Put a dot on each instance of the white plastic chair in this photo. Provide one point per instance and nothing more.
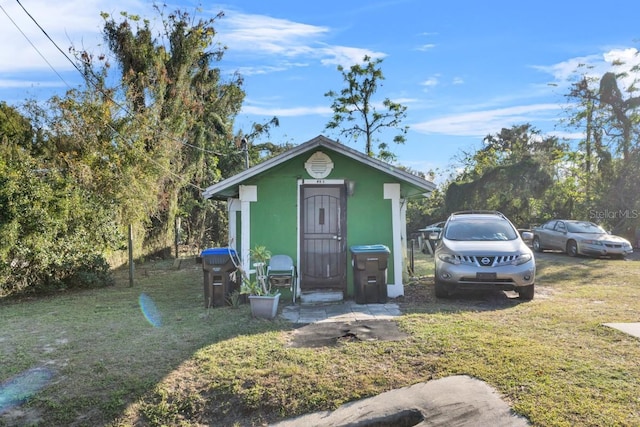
(282, 273)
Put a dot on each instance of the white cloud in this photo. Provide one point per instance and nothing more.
(482, 123)
(426, 47)
(74, 22)
(430, 82)
(267, 69)
(346, 56)
(594, 66)
(625, 57)
(565, 71)
(19, 84)
(264, 36)
(406, 100)
(568, 135)
(622, 61)
(285, 112)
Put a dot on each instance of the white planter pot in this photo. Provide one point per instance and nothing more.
(265, 307)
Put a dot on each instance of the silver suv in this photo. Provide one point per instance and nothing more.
(479, 250)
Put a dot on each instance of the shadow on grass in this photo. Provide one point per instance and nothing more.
(420, 294)
(105, 355)
(106, 349)
(420, 298)
(553, 270)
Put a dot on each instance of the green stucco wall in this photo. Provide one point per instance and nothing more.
(368, 213)
(274, 215)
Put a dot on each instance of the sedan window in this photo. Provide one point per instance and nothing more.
(585, 227)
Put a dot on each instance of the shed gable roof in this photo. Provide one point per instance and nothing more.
(229, 187)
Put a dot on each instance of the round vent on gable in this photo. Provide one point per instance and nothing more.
(319, 165)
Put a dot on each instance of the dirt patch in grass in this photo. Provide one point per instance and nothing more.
(336, 333)
(420, 297)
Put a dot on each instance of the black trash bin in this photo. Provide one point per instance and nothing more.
(370, 273)
(218, 266)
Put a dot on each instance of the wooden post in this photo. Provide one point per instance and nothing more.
(412, 260)
(131, 267)
(177, 236)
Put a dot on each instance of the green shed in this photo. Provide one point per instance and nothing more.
(313, 203)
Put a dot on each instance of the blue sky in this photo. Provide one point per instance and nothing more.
(464, 69)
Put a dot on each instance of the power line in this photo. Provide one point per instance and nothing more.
(97, 88)
(34, 46)
(47, 35)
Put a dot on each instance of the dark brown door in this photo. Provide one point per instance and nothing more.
(323, 252)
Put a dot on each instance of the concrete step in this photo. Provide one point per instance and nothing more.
(320, 297)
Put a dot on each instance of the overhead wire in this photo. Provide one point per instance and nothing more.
(149, 158)
(47, 36)
(96, 87)
(34, 46)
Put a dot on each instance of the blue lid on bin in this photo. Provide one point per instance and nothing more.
(218, 251)
(369, 249)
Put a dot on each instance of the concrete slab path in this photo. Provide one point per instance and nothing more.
(629, 328)
(452, 401)
(339, 312)
(456, 401)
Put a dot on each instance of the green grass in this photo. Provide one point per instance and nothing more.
(551, 358)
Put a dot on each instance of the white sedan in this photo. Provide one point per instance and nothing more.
(579, 238)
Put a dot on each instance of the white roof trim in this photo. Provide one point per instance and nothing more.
(319, 141)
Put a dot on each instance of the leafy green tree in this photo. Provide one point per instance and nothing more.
(355, 112)
(605, 163)
(53, 233)
(507, 188)
(618, 184)
(512, 169)
(87, 164)
(624, 117)
(180, 109)
(14, 126)
(591, 158)
(422, 212)
(618, 208)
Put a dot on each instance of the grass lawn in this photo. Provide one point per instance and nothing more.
(152, 355)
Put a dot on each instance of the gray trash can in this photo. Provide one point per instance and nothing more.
(218, 264)
(370, 273)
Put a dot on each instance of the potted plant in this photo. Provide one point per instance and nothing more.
(263, 301)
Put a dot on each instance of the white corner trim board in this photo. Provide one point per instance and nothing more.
(392, 192)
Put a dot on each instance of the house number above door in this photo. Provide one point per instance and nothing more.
(319, 165)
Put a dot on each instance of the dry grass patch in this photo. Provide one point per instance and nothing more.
(551, 358)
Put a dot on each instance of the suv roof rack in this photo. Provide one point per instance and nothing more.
(478, 211)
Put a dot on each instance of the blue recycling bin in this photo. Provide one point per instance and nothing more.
(218, 266)
(370, 273)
